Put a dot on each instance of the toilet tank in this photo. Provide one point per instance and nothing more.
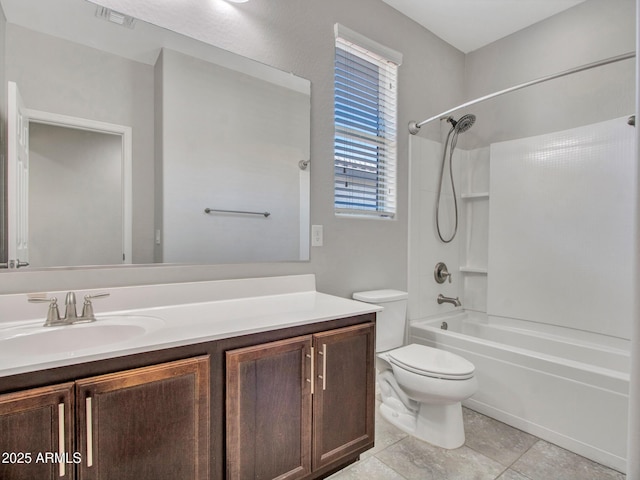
(390, 323)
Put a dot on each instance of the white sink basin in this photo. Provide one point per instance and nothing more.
(38, 340)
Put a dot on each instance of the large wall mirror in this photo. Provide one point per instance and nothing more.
(140, 145)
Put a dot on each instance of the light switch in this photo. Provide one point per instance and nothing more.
(316, 235)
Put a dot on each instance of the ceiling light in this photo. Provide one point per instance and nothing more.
(115, 17)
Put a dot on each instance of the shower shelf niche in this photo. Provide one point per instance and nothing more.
(471, 196)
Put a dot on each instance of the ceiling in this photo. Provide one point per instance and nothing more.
(471, 24)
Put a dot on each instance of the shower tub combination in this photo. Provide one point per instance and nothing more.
(564, 386)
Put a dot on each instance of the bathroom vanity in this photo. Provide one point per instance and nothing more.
(270, 379)
(144, 422)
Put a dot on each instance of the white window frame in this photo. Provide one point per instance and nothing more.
(367, 187)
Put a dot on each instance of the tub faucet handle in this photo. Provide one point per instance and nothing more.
(441, 273)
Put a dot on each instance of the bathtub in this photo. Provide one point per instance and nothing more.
(565, 386)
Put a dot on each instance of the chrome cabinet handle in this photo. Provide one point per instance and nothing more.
(61, 447)
(324, 366)
(311, 378)
(89, 420)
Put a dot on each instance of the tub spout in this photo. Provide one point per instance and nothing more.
(453, 301)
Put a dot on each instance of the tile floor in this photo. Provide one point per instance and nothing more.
(493, 451)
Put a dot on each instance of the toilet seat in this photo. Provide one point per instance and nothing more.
(431, 362)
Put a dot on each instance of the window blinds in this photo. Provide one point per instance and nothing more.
(365, 131)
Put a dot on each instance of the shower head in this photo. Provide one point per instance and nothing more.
(464, 124)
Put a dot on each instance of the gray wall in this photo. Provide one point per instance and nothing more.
(244, 137)
(591, 31)
(83, 206)
(107, 88)
(297, 36)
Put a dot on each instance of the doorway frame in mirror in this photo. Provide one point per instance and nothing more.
(125, 132)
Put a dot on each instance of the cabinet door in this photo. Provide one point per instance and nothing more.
(344, 400)
(269, 410)
(149, 423)
(36, 434)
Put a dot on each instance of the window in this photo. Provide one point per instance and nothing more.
(365, 101)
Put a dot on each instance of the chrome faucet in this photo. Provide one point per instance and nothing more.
(453, 301)
(70, 313)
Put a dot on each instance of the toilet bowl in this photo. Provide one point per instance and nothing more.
(421, 387)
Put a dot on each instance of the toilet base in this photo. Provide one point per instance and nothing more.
(439, 425)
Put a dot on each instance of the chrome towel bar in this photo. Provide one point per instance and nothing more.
(215, 210)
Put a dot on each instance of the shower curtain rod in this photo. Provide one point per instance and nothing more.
(414, 127)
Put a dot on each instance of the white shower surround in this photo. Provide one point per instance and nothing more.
(497, 264)
(561, 226)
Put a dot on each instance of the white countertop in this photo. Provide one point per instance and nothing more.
(239, 308)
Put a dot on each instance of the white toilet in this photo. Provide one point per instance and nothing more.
(421, 387)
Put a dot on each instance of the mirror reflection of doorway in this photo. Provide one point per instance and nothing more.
(75, 196)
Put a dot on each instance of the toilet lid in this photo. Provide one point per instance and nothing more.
(431, 362)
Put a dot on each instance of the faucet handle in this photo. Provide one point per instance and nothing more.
(87, 307)
(440, 273)
(95, 295)
(53, 315)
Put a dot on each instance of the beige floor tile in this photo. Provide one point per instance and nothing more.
(369, 469)
(545, 461)
(513, 475)
(417, 460)
(495, 439)
(490, 448)
(386, 434)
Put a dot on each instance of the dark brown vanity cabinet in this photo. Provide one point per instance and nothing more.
(269, 410)
(145, 424)
(35, 425)
(148, 423)
(344, 397)
(297, 408)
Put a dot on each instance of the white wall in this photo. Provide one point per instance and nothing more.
(425, 248)
(466, 255)
(232, 142)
